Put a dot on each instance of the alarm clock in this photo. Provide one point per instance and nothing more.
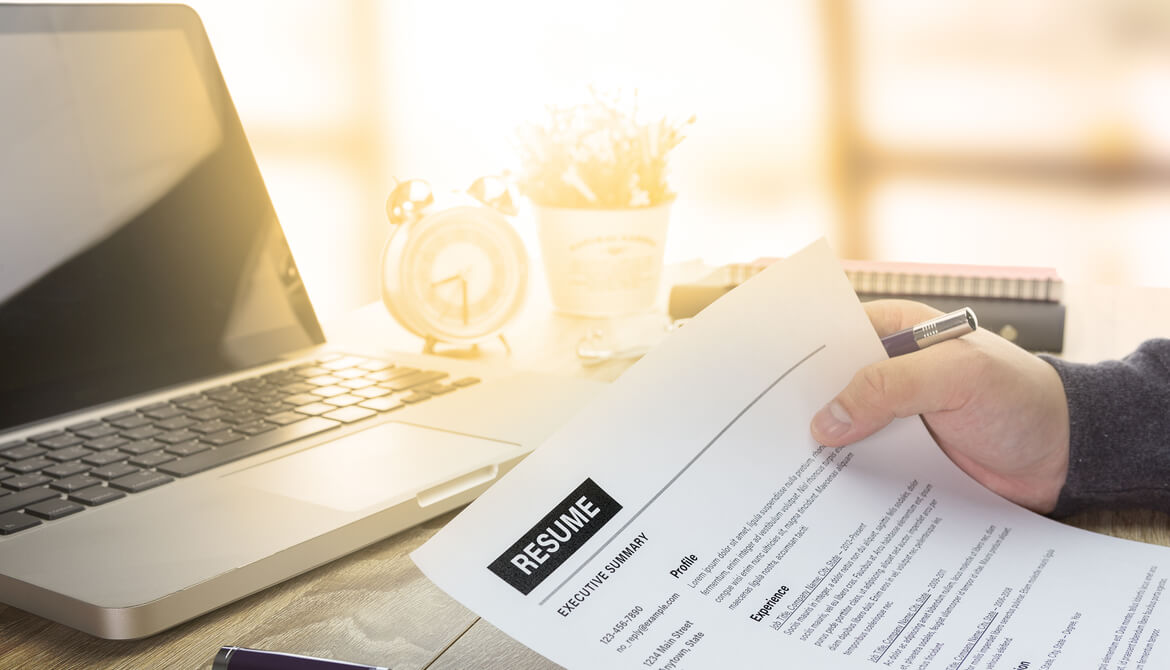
(453, 272)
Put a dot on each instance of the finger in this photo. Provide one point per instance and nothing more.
(890, 316)
(927, 381)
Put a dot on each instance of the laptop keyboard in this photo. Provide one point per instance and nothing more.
(59, 473)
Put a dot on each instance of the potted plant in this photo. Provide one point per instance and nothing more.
(597, 179)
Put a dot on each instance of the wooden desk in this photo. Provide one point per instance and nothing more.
(374, 606)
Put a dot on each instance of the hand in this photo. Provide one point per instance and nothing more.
(997, 411)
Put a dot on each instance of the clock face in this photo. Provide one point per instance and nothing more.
(459, 275)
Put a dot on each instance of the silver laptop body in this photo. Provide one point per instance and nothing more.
(146, 293)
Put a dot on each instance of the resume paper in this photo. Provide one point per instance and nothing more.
(687, 519)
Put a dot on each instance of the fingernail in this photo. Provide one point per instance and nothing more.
(832, 421)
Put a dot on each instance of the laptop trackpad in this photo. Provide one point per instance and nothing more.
(381, 466)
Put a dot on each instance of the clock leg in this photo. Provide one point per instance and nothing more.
(429, 345)
(431, 342)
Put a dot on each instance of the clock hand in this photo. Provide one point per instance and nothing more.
(464, 286)
(447, 280)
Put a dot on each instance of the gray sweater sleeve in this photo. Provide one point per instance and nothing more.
(1119, 431)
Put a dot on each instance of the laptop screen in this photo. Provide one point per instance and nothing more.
(138, 245)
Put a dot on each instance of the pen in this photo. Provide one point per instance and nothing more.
(931, 331)
(242, 658)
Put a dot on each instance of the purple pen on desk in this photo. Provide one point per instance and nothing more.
(242, 658)
(931, 331)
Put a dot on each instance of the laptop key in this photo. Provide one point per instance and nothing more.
(222, 437)
(68, 454)
(163, 412)
(177, 436)
(350, 414)
(372, 392)
(141, 432)
(410, 381)
(255, 427)
(174, 423)
(75, 483)
(415, 396)
(241, 417)
(100, 430)
(104, 457)
(394, 373)
(107, 442)
(247, 385)
(39, 437)
(195, 404)
(330, 391)
(140, 481)
(437, 388)
(53, 509)
(61, 441)
(113, 471)
(226, 397)
(209, 414)
(133, 421)
(62, 470)
(312, 409)
(343, 400)
(23, 482)
(14, 522)
(22, 452)
(96, 495)
(141, 447)
(29, 465)
(383, 404)
(254, 406)
(152, 459)
(297, 387)
(301, 399)
(187, 448)
(222, 388)
(119, 416)
(277, 376)
(22, 499)
(213, 426)
(466, 381)
(209, 459)
(272, 408)
(284, 418)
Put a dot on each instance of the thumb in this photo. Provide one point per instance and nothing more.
(917, 383)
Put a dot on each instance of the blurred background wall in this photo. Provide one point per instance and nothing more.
(974, 131)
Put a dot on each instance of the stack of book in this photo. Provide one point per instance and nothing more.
(1023, 304)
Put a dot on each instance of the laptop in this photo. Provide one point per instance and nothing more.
(175, 433)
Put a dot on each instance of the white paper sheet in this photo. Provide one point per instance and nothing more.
(713, 530)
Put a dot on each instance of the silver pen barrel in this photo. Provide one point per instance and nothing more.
(955, 324)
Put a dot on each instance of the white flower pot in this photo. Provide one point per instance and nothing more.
(603, 262)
